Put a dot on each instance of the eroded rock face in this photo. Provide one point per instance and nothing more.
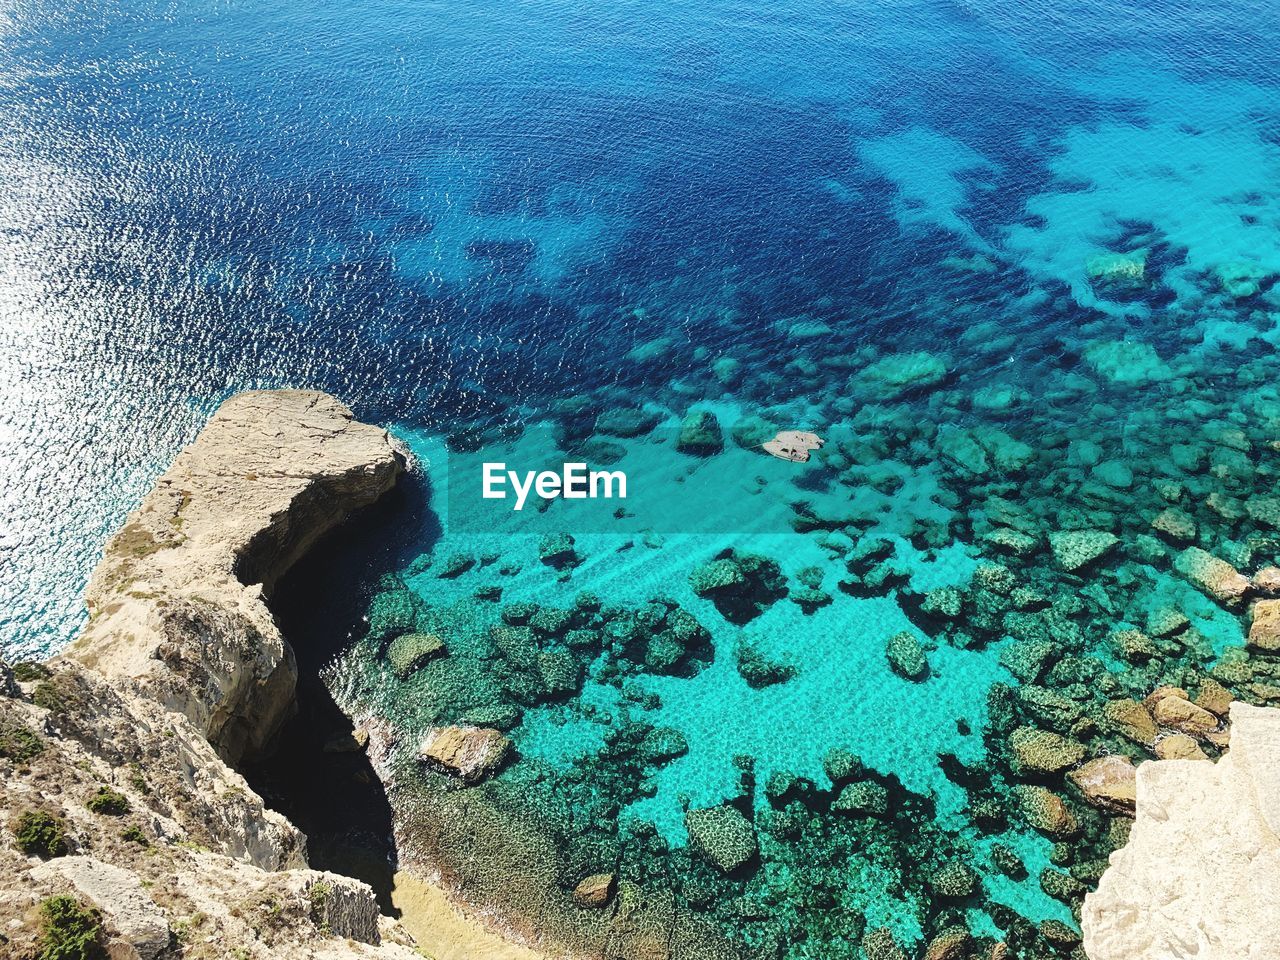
(1204, 851)
(182, 656)
(470, 753)
(177, 603)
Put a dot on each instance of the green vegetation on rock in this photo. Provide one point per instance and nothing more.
(69, 930)
(18, 743)
(40, 834)
(108, 802)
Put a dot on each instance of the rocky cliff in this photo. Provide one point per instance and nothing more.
(1198, 875)
(124, 828)
(177, 605)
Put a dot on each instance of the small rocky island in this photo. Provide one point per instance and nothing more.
(128, 831)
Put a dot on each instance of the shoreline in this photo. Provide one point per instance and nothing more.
(128, 745)
(445, 930)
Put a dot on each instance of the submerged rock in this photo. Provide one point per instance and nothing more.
(1241, 278)
(950, 944)
(1045, 811)
(557, 550)
(1175, 525)
(722, 835)
(719, 576)
(1008, 862)
(741, 585)
(1075, 549)
(865, 798)
(1116, 272)
(1215, 577)
(1127, 362)
(955, 881)
(700, 434)
(662, 744)
(624, 422)
(878, 944)
(1133, 646)
(900, 373)
(758, 670)
(906, 656)
(1028, 659)
(469, 753)
(409, 651)
(752, 432)
(595, 891)
(1040, 751)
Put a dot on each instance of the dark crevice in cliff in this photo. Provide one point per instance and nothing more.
(335, 797)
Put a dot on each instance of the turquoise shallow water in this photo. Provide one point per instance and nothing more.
(1018, 265)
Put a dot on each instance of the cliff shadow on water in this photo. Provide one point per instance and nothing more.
(317, 775)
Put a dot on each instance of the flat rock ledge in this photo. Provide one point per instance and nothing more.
(116, 788)
(177, 605)
(1199, 873)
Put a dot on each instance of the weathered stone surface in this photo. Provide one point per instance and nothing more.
(130, 914)
(1180, 714)
(1214, 697)
(1045, 811)
(1179, 746)
(1204, 851)
(183, 586)
(178, 602)
(1075, 549)
(1108, 782)
(723, 835)
(595, 891)
(1215, 577)
(1267, 581)
(1132, 720)
(470, 753)
(1038, 751)
(1264, 630)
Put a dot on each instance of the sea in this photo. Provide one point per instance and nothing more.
(1016, 264)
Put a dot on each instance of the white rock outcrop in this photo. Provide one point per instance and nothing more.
(1199, 875)
(180, 672)
(177, 607)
